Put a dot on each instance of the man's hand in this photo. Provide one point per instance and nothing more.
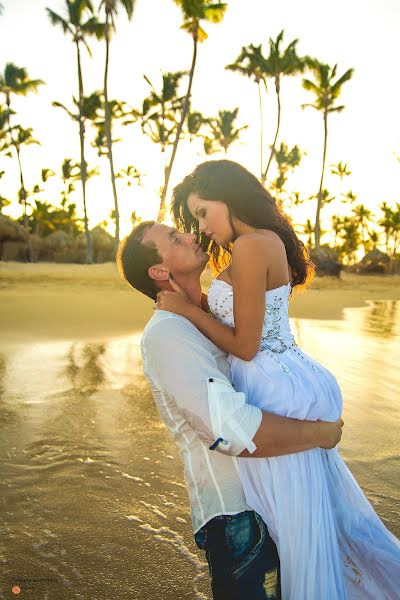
(331, 433)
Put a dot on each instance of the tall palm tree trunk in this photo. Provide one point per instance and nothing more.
(261, 129)
(22, 184)
(108, 134)
(24, 201)
(162, 210)
(278, 97)
(317, 229)
(89, 251)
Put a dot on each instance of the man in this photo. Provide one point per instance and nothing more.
(210, 422)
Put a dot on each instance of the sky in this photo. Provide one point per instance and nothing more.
(362, 34)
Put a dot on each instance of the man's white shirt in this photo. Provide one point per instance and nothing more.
(188, 377)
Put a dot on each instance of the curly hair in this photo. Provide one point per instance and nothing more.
(248, 201)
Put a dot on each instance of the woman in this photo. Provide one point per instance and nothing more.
(332, 545)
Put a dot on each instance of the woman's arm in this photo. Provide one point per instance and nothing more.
(249, 270)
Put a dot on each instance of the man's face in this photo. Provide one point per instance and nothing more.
(179, 251)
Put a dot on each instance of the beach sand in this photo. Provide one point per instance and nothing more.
(46, 301)
(92, 482)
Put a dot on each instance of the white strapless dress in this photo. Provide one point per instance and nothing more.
(331, 543)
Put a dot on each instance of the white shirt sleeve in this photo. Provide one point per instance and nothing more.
(178, 360)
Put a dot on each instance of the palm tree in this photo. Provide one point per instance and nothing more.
(41, 218)
(79, 23)
(4, 202)
(87, 108)
(135, 218)
(250, 63)
(117, 110)
(374, 238)
(70, 172)
(351, 238)
(308, 230)
(278, 64)
(160, 113)
(161, 110)
(327, 91)
(363, 215)
(22, 137)
(111, 12)
(15, 81)
(195, 122)
(223, 131)
(349, 197)
(5, 141)
(390, 222)
(341, 170)
(286, 160)
(194, 11)
(336, 226)
(129, 175)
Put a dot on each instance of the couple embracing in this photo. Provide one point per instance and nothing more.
(256, 420)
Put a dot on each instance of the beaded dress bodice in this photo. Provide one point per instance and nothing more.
(276, 334)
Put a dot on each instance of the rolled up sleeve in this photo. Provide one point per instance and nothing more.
(178, 359)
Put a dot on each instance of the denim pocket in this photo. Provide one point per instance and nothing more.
(201, 538)
(242, 534)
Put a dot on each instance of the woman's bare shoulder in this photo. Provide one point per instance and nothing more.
(257, 240)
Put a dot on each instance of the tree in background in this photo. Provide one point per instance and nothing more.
(280, 63)
(390, 222)
(111, 12)
(363, 216)
(250, 63)
(194, 12)
(15, 81)
(350, 235)
(129, 176)
(117, 111)
(286, 161)
(5, 151)
(79, 22)
(160, 114)
(195, 122)
(88, 108)
(23, 137)
(4, 202)
(308, 230)
(326, 90)
(70, 173)
(222, 131)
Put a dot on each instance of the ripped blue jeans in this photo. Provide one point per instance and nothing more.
(242, 558)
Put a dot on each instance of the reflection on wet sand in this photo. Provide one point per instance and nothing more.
(382, 318)
(93, 484)
(84, 368)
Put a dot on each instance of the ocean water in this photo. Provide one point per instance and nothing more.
(94, 505)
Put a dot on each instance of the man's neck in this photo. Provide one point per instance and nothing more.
(192, 288)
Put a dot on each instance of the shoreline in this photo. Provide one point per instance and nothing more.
(47, 301)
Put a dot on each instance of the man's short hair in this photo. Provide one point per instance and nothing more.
(134, 258)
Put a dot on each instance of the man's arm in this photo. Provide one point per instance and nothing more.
(178, 358)
(281, 435)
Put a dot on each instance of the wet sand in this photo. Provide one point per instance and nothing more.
(92, 485)
(46, 301)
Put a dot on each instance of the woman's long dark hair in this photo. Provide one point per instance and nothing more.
(248, 201)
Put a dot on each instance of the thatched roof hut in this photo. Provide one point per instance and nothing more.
(374, 261)
(325, 262)
(13, 239)
(11, 231)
